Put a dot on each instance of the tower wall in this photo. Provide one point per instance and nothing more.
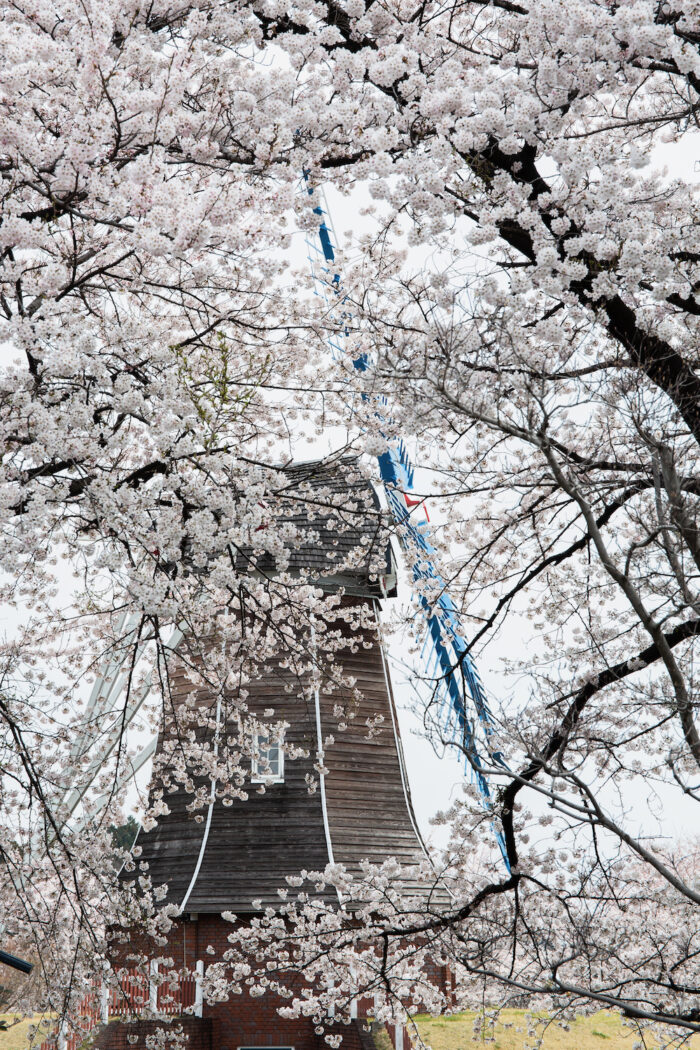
(243, 1021)
(361, 809)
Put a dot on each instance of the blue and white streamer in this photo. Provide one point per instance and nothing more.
(458, 685)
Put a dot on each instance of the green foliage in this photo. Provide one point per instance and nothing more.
(124, 835)
(221, 383)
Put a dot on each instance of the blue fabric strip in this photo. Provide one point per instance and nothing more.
(446, 653)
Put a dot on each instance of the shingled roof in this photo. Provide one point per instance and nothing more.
(337, 533)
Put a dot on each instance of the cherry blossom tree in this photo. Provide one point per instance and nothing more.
(153, 362)
(528, 297)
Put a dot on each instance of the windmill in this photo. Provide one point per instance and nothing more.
(456, 682)
(233, 860)
(235, 857)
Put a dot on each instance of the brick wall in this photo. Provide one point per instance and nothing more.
(242, 1021)
(132, 1035)
(207, 1034)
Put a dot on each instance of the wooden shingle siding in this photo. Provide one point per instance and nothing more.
(253, 844)
(342, 531)
(369, 805)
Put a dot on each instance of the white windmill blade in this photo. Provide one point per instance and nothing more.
(135, 765)
(86, 777)
(113, 736)
(100, 696)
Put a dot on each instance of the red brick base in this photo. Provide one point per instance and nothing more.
(240, 1022)
(116, 1036)
(206, 1033)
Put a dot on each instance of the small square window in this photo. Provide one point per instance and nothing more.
(267, 763)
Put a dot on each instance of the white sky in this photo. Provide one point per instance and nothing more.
(436, 780)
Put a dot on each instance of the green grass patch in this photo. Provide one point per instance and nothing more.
(16, 1037)
(603, 1029)
(455, 1032)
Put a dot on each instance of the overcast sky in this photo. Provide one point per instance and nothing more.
(436, 780)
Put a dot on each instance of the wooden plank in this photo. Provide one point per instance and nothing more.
(254, 843)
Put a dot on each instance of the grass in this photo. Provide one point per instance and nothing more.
(17, 1035)
(602, 1031)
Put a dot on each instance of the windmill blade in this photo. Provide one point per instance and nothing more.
(446, 649)
(103, 703)
(105, 691)
(135, 765)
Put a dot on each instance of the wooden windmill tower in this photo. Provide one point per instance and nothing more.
(237, 855)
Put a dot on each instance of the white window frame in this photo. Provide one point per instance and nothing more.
(263, 741)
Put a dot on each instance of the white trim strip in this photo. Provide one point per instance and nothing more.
(322, 776)
(212, 796)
